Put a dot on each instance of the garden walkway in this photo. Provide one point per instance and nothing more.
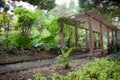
(33, 64)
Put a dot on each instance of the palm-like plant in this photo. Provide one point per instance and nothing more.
(65, 57)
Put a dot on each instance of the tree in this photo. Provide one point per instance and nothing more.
(26, 19)
(2, 3)
(42, 4)
(4, 6)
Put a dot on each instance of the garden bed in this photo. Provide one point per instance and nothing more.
(6, 58)
(47, 70)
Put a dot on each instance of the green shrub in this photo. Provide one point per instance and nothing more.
(25, 42)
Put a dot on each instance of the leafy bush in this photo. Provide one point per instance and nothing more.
(25, 42)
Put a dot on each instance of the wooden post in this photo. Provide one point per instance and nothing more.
(101, 39)
(76, 36)
(112, 36)
(62, 34)
(116, 35)
(86, 39)
(108, 36)
(91, 37)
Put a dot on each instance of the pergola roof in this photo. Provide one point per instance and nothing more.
(92, 22)
(84, 17)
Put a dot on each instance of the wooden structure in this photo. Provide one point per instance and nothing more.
(92, 22)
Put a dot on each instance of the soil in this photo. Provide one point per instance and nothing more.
(7, 58)
(47, 70)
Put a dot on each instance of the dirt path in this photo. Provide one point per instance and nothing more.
(33, 64)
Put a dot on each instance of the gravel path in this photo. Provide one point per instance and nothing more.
(33, 64)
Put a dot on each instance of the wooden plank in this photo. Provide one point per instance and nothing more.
(91, 36)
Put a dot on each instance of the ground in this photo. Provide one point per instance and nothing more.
(46, 70)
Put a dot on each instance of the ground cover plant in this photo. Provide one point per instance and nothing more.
(100, 69)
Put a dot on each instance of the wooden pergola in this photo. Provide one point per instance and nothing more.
(92, 22)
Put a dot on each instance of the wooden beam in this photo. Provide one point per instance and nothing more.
(62, 34)
(91, 36)
(86, 39)
(101, 38)
(76, 36)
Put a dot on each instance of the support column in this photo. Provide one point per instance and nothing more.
(91, 36)
(113, 36)
(86, 39)
(101, 39)
(62, 34)
(76, 36)
(116, 35)
(108, 36)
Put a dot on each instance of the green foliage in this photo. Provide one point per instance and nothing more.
(102, 6)
(23, 41)
(26, 19)
(40, 77)
(100, 69)
(10, 42)
(49, 33)
(4, 18)
(64, 58)
(6, 7)
(114, 57)
(2, 3)
(42, 4)
(59, 77)
(1, 20)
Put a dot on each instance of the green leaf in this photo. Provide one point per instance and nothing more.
(67, 53)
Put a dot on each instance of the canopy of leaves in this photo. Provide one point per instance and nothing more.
(42, 4)
(25, 17)
(4, 5)
(103, 6)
